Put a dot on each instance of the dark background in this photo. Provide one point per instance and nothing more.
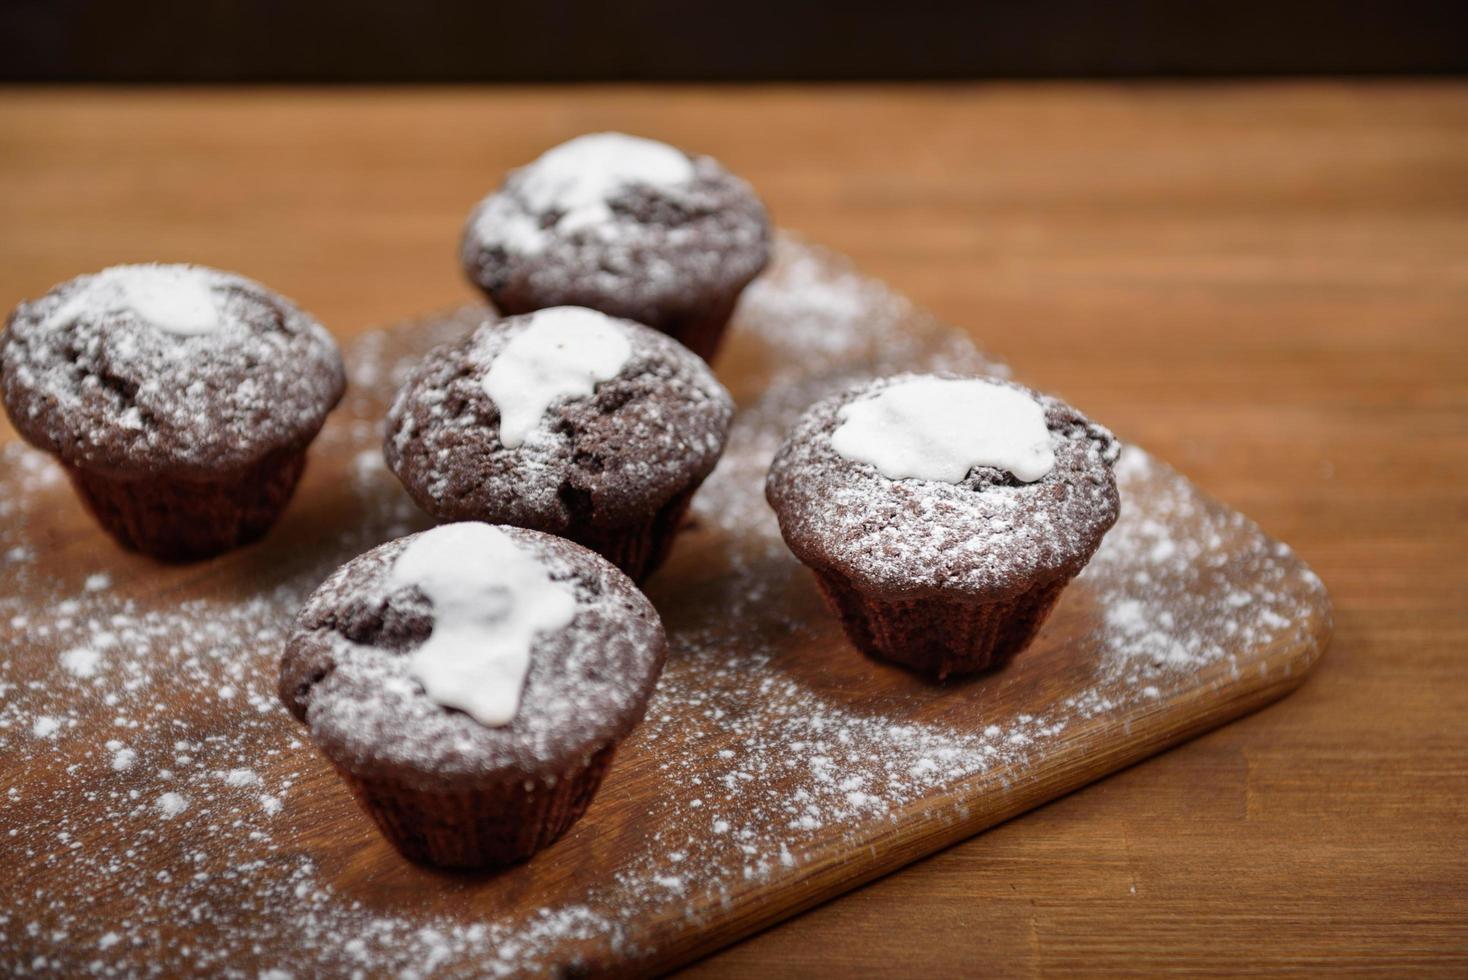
(732, 40)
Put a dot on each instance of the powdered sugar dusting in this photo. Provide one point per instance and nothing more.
(171, 804)
(163, 814)
(574, 182)
(175, 298)
(86, 373)
(625, 226)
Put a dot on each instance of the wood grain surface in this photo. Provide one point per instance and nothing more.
(1267, 285)
(776, 767)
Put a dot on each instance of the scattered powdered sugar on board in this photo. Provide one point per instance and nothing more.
(156, 793)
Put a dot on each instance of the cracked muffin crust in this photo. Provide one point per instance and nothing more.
(614, 470)
(444, 788)
(627, 226)
(943, 577)
(180, 399)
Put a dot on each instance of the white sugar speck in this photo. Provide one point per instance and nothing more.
(242, 777)
(171, 805)
(81, 661)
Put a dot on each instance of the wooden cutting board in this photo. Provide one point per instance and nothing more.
(161, 811)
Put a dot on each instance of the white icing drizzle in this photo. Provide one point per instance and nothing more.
(175, 298)
(940, 428)
(490, 600)
(564, 352)
(579, 177)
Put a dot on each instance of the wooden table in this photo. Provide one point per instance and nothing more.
(1265, 284)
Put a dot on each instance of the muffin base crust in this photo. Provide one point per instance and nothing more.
(479, 826)
(939, 637)
(638, 550)
(176, 519)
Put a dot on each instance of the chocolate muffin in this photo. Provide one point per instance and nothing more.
(631, 227)
(180, 400)
(566, 421)
(943, 516)
(471, 685)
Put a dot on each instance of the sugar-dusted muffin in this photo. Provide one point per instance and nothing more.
(629, 226)
(180, 399)
(471, 683)
(566, 421)
(943, 516)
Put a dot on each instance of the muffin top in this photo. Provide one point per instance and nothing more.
(926, 486)
(166, 369)
(625, 225)
(560, 416)
(471, 653)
